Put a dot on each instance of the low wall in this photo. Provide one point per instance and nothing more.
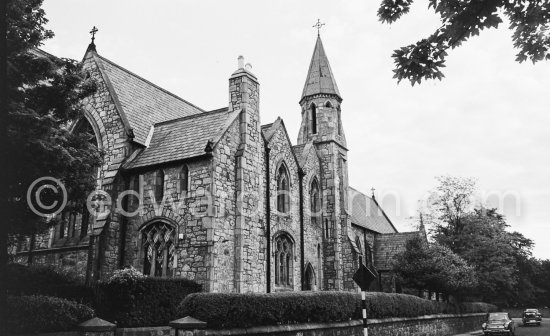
(433, 325)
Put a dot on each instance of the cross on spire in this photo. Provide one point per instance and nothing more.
(372, 190)
(93, 31)
(318, 25)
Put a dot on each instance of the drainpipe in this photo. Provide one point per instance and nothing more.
(267, 219)
(301, 191)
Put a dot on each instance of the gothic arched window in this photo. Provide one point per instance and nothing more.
(359, 250)
(283, 260)
(159, 186)
(159, 249)
(283, 190)
(184, 179)
(328, 104)
(315, 201)
(313, 119)
(368, 255)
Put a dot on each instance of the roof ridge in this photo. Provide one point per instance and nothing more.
(149, 82)
(191, 116)
(218, 110)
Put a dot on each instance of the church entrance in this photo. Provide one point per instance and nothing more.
(309, 278)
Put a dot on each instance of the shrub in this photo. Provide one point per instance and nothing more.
(225, 310)
(46, 280)
(133, 300)
(36, 313)
(127, 275)
(230, 310)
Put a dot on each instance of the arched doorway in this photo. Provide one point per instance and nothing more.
(309, 278)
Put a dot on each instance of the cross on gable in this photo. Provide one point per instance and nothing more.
(93, 31)
(318, 25)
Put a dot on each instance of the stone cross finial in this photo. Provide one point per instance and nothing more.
(318, 25)
(93, 31)
(372, 190)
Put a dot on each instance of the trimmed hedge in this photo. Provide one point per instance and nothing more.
(142, 302)
(229, 310)
(47, 280)
(37, 313)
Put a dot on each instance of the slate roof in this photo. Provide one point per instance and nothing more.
(143, 102)
(182, 138)
(386, 246)
(319, 77)
(269, 130)
(366, 212)
(300, 155)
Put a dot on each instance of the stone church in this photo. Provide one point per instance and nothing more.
(218, 196)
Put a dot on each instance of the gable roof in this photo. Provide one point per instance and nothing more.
(319, 77)
(386, 246)
(269, 130)
(366, 212)
(182, 138)
(300, 155)
(142, 102)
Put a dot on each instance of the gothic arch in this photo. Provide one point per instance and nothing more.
(360, 257)
(157, 246)
(88, 117)
(284, 252)
(283, 181)
(328, 104)
(167, 216)
(313, 109)
(280, 161)
(315, 200)
(310, 280)
(368, 255)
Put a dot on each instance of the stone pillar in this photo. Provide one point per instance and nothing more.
(97, 327)
(188, 326)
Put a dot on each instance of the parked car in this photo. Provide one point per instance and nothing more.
(499, 324)
(531, 316)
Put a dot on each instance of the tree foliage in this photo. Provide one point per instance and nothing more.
(44, 94)
(433, 267)
(462, 19)
(502, 260)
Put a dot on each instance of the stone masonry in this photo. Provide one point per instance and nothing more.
(184, 192)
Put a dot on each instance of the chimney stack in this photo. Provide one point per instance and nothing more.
(241, 62)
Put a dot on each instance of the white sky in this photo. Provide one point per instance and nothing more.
(488, 118)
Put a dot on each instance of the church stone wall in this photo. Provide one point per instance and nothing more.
(225, 209)
(332, 215)
(190, 212)
(313, 232)
(281, 152)
(109, 127)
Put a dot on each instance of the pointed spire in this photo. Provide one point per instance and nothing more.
(319, 77)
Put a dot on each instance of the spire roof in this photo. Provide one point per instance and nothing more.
(319, 77)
